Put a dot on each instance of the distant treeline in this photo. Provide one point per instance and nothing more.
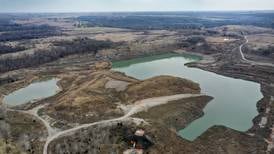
(7, 25)
(29, 32)
(59, 50)
(11, 31)
(178, 20)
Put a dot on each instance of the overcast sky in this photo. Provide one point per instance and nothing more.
(131, 5)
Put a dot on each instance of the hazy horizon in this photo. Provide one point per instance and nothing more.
(86, 6)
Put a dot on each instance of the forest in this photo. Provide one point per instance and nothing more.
(58, 50)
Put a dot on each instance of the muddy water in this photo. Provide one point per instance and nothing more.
(32, 92)
(234, 103)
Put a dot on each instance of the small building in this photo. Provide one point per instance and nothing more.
(139, 140)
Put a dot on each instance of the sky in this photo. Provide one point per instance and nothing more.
(132, 5)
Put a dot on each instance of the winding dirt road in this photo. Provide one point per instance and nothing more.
(34, 112)
(249, 61)
(138, 106)
(241, 51)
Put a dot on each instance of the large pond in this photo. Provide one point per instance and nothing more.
(34, 91)
(234, 103)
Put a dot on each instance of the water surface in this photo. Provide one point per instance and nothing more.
(32, 92)
(234, 103)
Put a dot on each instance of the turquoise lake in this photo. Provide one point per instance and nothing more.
(234, 103)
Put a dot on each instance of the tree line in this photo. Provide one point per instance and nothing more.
(10, 49)
(58, 50)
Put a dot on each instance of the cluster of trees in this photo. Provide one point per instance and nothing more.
(195, 39)
(7, 25)
(7, 80)
(191, 41)
(29, 32)
(12, 31)
(10, 49)
(265, 52)
(82, 45)
(59, 50)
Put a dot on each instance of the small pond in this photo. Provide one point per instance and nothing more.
(34, 91)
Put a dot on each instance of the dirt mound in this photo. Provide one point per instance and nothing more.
(160, 86)
(88, 99)
(102, 65)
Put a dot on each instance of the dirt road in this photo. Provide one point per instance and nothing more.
(137, 107)
(249, 61)
(34, 112)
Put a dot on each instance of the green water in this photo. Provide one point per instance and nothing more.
(234, 103)
(32, 92)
